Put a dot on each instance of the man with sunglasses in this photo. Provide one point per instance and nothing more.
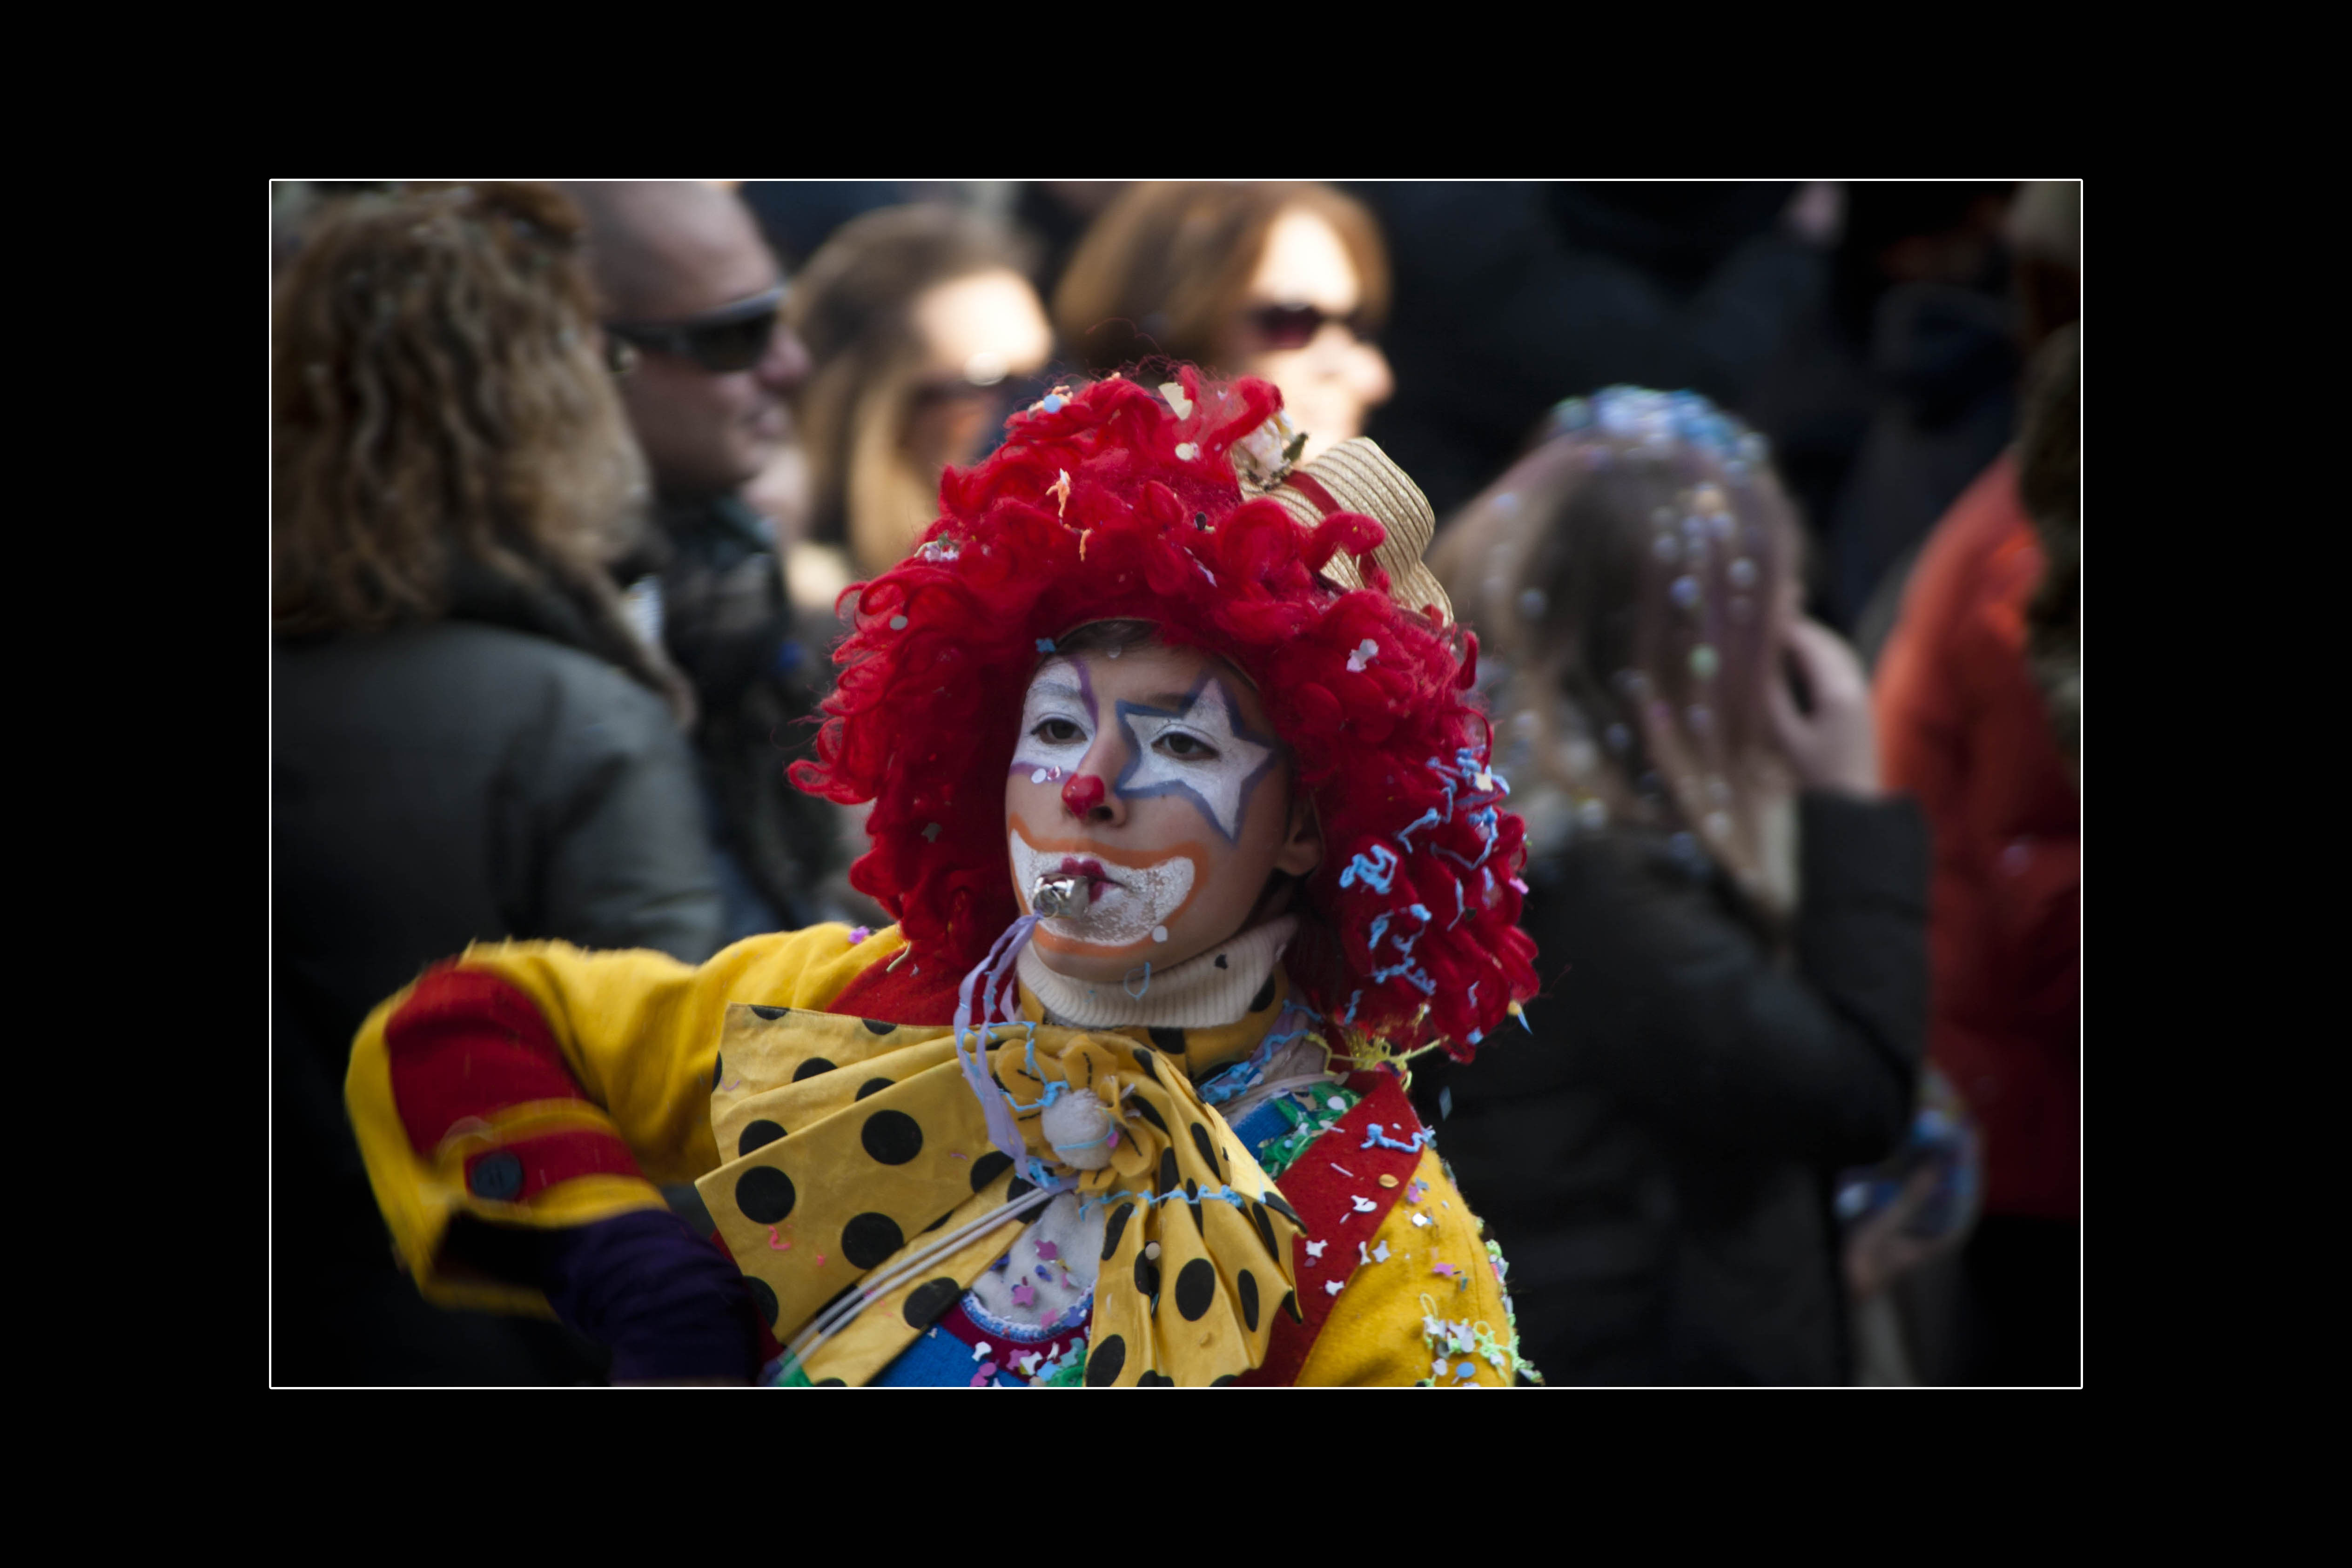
(707, 371)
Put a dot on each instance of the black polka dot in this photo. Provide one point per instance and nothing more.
(1193, 1202)
(758, 1135)
(935, 1224)
(1221, 962)
(1265, 997)
(1147, 1279)
(892, 1137)
(1245, 1287)
(829, 1382)
(876, 1026)
(1143, 1107)
(1196, 1286)
(927, 1300)
(1274, 1201)
(1143, 1060)
(718, 1071)
(872, 1086)
(1116, 1227)
(1290, 1306)
(1167, 1182)
(1221, 1382)
(1201, 1142)
(1266, 1230)
(811, 1067)
(764, 1299)
(1171, 1040)
(870, 1238)
(1155, 1380)
(1105, 1362)
(1021, 1187)
(771, 1014)
(764, 1195)
(989, 1166)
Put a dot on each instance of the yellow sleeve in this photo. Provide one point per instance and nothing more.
(1378, 1330)
(639, 1032)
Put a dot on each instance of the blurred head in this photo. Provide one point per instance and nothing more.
(440, 390)
(1630, 579)
(690, 287)
(1288, 282)
(922, 324)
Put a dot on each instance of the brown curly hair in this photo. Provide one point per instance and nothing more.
(437, 389)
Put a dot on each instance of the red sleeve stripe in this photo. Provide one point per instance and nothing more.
(522, 1170)
(469, 1044)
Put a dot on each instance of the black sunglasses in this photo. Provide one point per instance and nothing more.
(1295, 326)
(731, 338)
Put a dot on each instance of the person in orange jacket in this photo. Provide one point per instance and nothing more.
(1979, 699)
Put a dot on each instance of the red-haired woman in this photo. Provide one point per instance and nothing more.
(1190, 832)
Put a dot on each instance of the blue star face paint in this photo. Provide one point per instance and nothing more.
(1190, 751)
(1201, 750)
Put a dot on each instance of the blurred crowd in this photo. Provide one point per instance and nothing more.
(570, 482)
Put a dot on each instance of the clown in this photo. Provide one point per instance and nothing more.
(1193, 842)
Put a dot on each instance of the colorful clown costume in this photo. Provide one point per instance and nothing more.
(534, 1086)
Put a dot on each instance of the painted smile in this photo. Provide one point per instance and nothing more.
(1129, 902)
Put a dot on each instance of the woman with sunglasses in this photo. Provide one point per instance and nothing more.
(922, 326)
(1286, 282)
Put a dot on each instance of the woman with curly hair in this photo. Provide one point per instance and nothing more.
(1739, 907)
(470, 743)
(1186, 820)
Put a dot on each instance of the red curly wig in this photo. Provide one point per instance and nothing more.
(1108, 504)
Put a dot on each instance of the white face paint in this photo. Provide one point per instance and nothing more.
(1199, 751)
(1061, 702)
(1131, 903)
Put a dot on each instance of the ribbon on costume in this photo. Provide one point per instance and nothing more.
(854, 1147)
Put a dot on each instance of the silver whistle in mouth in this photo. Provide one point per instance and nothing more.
(1058, 897)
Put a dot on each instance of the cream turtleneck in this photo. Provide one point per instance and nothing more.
(1200, 993)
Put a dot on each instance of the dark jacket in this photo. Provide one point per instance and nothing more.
(1657, 1158)
(480, 777)
(729, 623)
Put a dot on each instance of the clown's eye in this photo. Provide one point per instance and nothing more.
(1185, 748)
(1059, 732)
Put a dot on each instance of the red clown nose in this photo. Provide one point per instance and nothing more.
(1082, 794)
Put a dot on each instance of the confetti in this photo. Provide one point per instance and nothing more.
(1331, 1286)
(1024, 1293)
(1439, 1369)
(1335, 1104)
(981, 1349)
(1362, 1254)
(858, 933)
(985, 1376)
(1046, 1249)
(1388, 1181)
(1151, 1250)
(1445, 1269)
(1381, 1253)
(1340, 1169)
(1420, 1219)
(1314, 1248)
(1364, 1205)
(958, 1155)
(777, 1243)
